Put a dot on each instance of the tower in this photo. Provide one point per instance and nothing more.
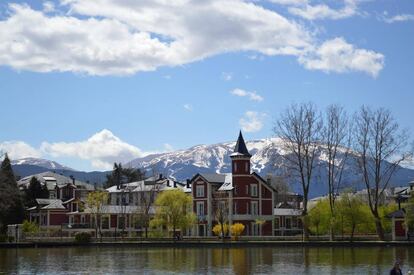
(240, 158)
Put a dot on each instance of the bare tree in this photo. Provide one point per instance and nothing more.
(222, 212)
(145, 202)
(381, 147)
(299, 128)
(336, 143)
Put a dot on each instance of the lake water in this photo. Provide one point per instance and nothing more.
(250, 260)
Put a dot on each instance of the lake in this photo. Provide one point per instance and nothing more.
(244, 260)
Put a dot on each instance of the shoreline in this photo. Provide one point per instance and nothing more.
(208, 244)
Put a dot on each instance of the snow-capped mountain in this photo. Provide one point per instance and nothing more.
(48, 164)
(266, 158)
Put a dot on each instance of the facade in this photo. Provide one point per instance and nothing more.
(65, 195)
(244, 197)
(126, 203)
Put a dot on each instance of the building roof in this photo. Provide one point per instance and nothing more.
(48, 204)
(240, 149)
(52, 179)
(228, 183)
(148, 185)
(213, 178)
(397, 214)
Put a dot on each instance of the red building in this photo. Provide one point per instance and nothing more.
(245, 197)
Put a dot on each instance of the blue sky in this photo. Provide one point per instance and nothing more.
(87, 83)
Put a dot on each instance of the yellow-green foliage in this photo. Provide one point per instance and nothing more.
(173, 210)
(96, 200)
(349, 211)
(217, 229)
(409, 208)
(236, 229)
(29, 227)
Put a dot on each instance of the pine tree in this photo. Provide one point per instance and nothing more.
(35, 191)
(11, 205)
(7, 171)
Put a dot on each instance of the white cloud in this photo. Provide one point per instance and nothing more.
(251, 95)
(18, 150)
(337, 55)
(226, 76)
(102, 149)
(48, 6)
(304, 9)
(112, 37)
(252, 121)
(290, 2)
(168, 147)
(398, 18)
(322, 11)
(188, 107)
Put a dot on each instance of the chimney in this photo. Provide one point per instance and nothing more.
(73, 179)
(269, 179)
(175, 184)
(188, 184)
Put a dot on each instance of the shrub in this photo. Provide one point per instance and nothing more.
(236, 230)
(3, 238)
(29, 227)
(217, 229)
(82, 237)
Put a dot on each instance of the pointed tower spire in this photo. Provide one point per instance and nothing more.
(240, 148)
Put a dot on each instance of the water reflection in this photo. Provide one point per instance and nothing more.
(276, 260)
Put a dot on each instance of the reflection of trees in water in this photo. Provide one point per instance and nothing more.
(288, 260)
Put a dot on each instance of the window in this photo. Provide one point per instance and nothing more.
(253, 190)
(254, 208)
(247, 190)
(235, 208)
(105, 222)
(235, 167)
(200, 208)
(288, 223)
(255, 229)
(247, 167)
(277, 224)
(121, 222)
(200, 191)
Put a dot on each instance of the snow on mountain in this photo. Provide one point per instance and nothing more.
(48, 164)
(266, 158)
(201, 158)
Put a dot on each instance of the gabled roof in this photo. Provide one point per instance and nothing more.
(240, 149)
(397, 214)
(52, 179)
(211, 178)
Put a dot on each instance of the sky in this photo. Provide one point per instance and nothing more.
(88, 83)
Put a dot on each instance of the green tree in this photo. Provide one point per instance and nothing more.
(120, 175)
(173, 210)
(35, 191)
(11, 205)
(409, 209)
(95, 202)
(352, 213)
